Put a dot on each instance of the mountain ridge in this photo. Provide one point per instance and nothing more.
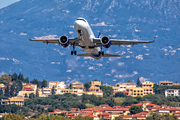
(130, 19)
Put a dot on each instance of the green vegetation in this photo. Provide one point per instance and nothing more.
(135, 109)
(157, 116)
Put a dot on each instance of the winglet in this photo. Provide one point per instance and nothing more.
(29, 37)
(155, 37)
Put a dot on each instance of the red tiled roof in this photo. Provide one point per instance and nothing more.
(152, 105)
(87, 109)
(127, 106)
(30, 84)
(163, 109)
(72, 114)
(146, 102)
(174, 109)
(138, 104)
(53, 81)
(104, 105)
(104, 114)
(57, 110)
(52, 113)
(121, 109)
(177, 113)
(125, 92)
(28, 88)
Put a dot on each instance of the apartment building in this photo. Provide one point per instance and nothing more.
(95, 90)
(139, 91)
(135, 91)
(95, 83)
(53, 83)
(172, 92)
(77, 85)
(14, 100)
(123, 86)
(148, 90)
(61, 85)
(147, 84)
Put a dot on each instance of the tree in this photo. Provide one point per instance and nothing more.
(14, 77)
(1, 91)
(37, 92)
(6, 79)
(37, 82)
(118, 118)
(44, 83)
(107, 91)
(7, 91)
(135, 109)
(53, 90)
(138, 83)
(111, 102)
(25, 95)
(87, 85)
(21, 77)
(12, 90)
(129, 81)
(31, 95)
(119, 94)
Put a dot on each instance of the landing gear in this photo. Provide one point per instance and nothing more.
(73, 52)
(101, 52)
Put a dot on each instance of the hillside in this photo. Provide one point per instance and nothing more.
(126, 19)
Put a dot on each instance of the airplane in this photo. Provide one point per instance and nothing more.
(88, 42)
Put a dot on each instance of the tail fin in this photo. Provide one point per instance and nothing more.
(99, 35)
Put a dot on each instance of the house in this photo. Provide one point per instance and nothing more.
(172, 92)
(95, 90)
(53, 83)
(13, 100)
(30, 85)
(123, 86)
(147, 84)
(163, 83)
(77, 85)
(46, 91)
(95, 83)
(61, 85)
(135, 91)
(148, 90)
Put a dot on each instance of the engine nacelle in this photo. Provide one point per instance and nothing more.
(105, 42)
(64, 41)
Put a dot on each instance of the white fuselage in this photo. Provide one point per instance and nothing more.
(85, 33)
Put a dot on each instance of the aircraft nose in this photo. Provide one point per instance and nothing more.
(77, 23)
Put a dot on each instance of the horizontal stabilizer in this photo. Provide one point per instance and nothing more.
(110, 55)
(84, 55)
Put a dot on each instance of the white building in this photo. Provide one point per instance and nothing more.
(123, 86)
(172, 92)
(61, 85)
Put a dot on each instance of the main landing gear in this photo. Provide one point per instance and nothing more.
(73, 52)
(101, 52)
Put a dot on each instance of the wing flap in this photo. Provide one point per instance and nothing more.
(84, 55)
(121, 42)
(55, 40)
(110, 55)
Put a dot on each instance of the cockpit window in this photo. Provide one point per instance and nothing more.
(81, 19)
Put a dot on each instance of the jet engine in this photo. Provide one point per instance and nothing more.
(64, 41)
(105, 42)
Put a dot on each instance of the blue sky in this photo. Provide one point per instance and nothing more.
(4, 3)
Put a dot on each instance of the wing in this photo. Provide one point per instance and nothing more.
(121, 42)
(55, 40)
